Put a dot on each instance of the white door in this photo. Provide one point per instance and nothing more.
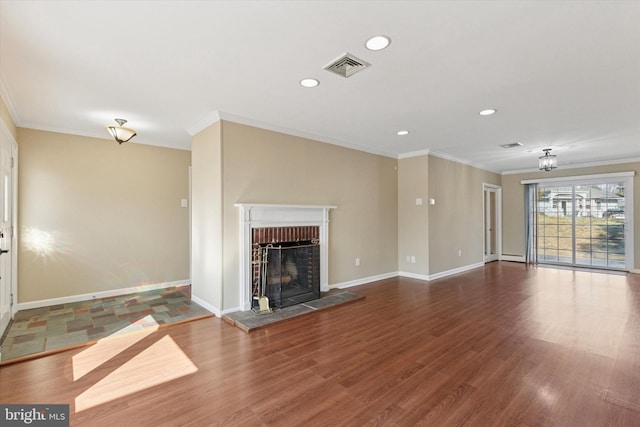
(492, 223)
(6, 231)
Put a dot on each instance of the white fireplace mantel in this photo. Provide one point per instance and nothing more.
(254, 215)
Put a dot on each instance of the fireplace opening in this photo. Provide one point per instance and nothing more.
(288, 273)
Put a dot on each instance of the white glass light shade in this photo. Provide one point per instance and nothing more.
(120, 133)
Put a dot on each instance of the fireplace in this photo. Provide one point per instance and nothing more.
(286, 265)
(288, 273)
(283, 253)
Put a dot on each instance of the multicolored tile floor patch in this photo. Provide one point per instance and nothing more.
(56, 327)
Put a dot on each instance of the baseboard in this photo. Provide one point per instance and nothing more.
(413, 275)
(364, 280)
(102, 294)
(230, 310)
(455, 271)
(206, 305)
(514, 258)
(442, 274)
(425, 277)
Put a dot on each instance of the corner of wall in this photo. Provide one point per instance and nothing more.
(206, 219)
(7, 120)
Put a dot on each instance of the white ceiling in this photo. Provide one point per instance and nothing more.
(562, 74)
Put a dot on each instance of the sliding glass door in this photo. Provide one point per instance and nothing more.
(581, 223)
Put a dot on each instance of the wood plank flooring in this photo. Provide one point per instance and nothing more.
(503, 345)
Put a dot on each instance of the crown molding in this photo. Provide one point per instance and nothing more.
(294, 132)
(6, 96)
(204, 123)
(577, 166)
(99, 135)
(410, 154)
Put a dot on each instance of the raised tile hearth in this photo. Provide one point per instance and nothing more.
(248, 321)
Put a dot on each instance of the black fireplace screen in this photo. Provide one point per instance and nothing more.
(292, 273)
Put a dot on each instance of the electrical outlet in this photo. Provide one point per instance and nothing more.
(459, 252)
(408, 258)
(357, 262)
(413, 259)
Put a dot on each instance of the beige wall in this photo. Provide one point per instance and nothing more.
(261, 166)
(5, 117)
(413, 220)
(97, 216)
(456, 219)
(513, 203)
(206, 192)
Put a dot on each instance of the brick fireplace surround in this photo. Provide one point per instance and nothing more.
(264, 223)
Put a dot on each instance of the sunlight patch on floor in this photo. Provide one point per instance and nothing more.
(109, 347)
(161, 362)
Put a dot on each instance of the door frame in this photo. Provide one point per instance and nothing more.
(487, 189)
(6, 134)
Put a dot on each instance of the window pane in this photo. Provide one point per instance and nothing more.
(581, 223)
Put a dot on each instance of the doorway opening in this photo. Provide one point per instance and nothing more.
(492, 220)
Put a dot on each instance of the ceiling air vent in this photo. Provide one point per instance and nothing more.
(512, 145)
(347, 65)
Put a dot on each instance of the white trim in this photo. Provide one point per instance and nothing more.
(16, 234)
(414, 275)
(455, 271)
(105, 136)
(102, 294)
(204, 123)
(577, 166)
(413, 154)
(281, 129)
(498, 231)
(258, 215)
(514, 258)
(363, 281)
(578, 178)
(230, 310)
(14, 216)
(461, 161)
(630, 225)
(206, 305)
(441, 274)
(6, 96)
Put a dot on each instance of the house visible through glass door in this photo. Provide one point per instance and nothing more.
(581, 224)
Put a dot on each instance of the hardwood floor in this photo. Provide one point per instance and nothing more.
(503, 345)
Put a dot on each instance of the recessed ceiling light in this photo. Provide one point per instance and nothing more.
(309, 82)
(402, 132)
(488, 112)
(378, 42)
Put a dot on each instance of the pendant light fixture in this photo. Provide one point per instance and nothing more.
(119, 133)
(548, 161)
